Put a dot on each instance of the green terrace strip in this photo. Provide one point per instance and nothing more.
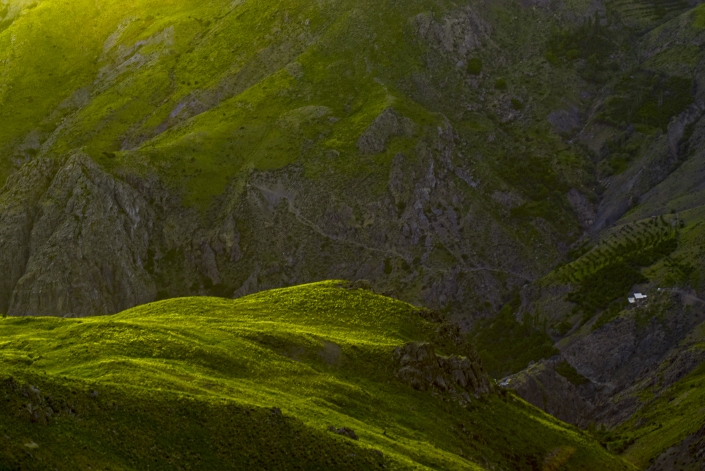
(255, 383)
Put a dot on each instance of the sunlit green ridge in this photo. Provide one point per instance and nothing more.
(322, 353)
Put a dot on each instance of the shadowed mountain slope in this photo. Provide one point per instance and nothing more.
(240, 146)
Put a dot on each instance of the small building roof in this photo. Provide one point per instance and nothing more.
(639, 296)
(631, 300)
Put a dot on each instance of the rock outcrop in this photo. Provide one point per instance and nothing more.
(87, 246)
(79, 240)
(18, 211)
(421, 368)
(387, 125)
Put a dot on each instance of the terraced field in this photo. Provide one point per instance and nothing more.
(644, 13)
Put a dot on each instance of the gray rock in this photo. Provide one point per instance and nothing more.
(543, 387)
(584, 209)
(421, 368)
(564, 121)
(387, 125)
(19, 200)
(344, 431)
(87, 246)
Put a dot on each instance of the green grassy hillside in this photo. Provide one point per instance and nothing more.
(193, 384)
(664, 421)
(258, 80)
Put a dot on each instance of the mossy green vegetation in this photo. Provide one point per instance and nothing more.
(208, 383)
(475, 66)
(643, 14)
(667, 418)
(603, 275)
(592, 42)
(507, 346)
(202, 93)
(647, 98)
(605, 285)
(567, 370)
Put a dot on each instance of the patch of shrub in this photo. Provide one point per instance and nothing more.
(650, 255)
(507, 346)
(611, 313)
(592, 42)
(475, 66)
(647, 98)
(599, 289)
(501, 84)
(567, 370)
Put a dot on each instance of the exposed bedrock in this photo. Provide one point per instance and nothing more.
(79, 240)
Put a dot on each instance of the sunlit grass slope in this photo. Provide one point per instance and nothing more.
(193, 383)
(258, 79)
(201, 93)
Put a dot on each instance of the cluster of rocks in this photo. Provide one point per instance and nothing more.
(344, 431)
(421, 368)
(36, 407)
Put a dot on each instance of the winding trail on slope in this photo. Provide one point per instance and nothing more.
(390, 252)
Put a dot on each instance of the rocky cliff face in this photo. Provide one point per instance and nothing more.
(544, 387)
(603, 375)
(88, 242)
(86, 247)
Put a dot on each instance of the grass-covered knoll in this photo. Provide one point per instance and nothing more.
(193, 382)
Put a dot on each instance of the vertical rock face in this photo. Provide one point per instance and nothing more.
(87, 246)
(18, 211)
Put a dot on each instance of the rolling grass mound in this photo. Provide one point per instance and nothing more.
(255, 383)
